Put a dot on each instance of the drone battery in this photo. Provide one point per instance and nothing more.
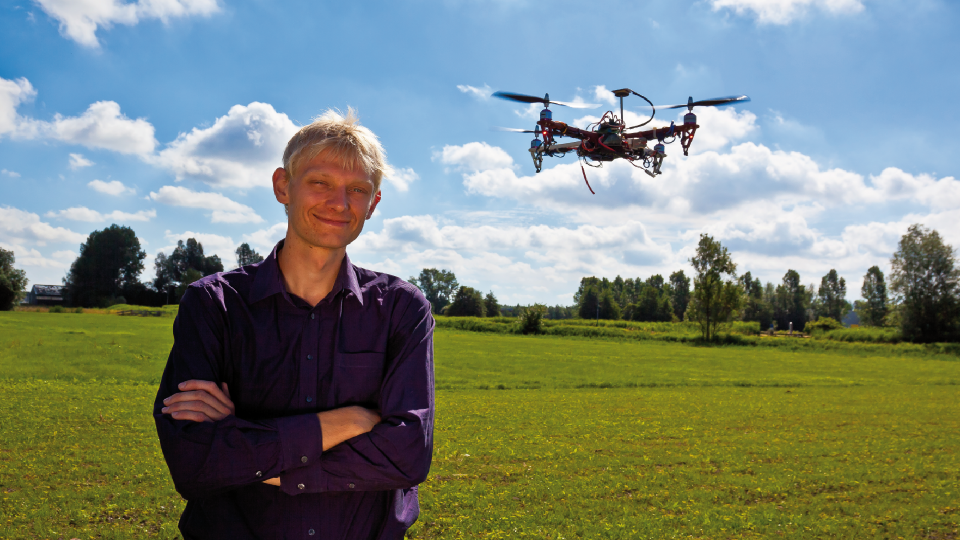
(689, 119)
(535, 143)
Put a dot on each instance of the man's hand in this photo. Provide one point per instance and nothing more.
(338, 425)
(199, 401)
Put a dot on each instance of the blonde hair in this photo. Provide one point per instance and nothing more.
(345, 142)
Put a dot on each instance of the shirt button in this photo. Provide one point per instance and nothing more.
(309, 399)
(351, 486)
(259, 474)
(309, 357)
(303, 459)
(300, 486)
(311, 532)
(311, 317)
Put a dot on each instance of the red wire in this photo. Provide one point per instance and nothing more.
(584, 171)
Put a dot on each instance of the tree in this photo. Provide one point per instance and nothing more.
(791, 302)
(109, 260)
(587, 298)
(437, 286)
(832, 296)
(13, 282)
(924, 279)
(680, 293)
(468, 302)
(246, 255)
(755, 307)
(171, 271)
(609, 308)
(190, 276)
(491, 306)
(873, 308)
(714, 299)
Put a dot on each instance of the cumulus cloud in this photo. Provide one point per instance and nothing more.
(113, 187)
(481, 93)
(25, 228)
(264, 239)
(11, 174)
(224, 209)
(102, 125)
(213, 244)
(474, 156)
(77, 161)
(79, 21)
(82, 213)
(241, 149)
(402, 178)
(785, 11)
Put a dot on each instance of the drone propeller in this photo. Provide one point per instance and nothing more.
(516, 130)
(523, 98)
(715, 102)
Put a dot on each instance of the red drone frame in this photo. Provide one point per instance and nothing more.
(610, 138)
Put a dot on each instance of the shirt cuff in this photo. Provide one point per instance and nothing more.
(301, 442)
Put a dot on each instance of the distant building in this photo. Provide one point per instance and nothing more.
(851, 318)
(45, 295)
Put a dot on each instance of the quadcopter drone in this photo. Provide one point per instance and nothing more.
(610, 138)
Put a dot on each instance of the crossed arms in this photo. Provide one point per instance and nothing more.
(210, 450)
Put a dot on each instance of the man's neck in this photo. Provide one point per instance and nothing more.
(309, 272)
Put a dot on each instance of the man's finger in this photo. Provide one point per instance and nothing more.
(199, 395)
(209, 386)
(194, 406)
(192, 416)
(226, 389)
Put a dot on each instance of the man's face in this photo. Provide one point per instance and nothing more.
(327, 203)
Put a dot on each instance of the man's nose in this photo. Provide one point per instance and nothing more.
(337, 201)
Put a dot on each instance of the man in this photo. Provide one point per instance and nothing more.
(297, 401)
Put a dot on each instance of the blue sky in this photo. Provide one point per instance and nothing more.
(168, 117)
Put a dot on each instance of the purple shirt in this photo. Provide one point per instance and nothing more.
(368, 343)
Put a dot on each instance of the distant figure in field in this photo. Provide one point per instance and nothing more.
(298, 398)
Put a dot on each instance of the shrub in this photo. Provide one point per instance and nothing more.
(78, 310)
(56, 309)
(530, 320)
(824, 324)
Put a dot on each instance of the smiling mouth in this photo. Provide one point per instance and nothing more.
(334, 222)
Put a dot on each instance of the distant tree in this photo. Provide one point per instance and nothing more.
(832, 296)
(13, 281)
(680, 293)
(652, 306)
(491, 306)
(246, 255)
(715, 300)
(587, 297)
(437, 286)
(924, 279)
(791, 302)
(561, 312)
(609, 308)
(754, 307)
(656, 281)
(873, 308)
(109, 260)
(171, 271)
(530, 319)
(617, 287)
(467, 302)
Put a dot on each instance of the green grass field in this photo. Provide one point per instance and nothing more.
(539, 437)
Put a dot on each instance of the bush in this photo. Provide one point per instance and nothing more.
(78, 310)
(56, 309)
(824, 324)
(530, 320)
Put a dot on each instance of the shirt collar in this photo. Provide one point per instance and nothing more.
(268, 282)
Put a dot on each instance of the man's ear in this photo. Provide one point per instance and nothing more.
(376, 201)
(281, 185)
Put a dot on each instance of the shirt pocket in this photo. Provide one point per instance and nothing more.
(359, 378)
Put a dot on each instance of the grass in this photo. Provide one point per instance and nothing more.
(540, 437)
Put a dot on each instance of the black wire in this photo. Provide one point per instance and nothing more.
(651, 114)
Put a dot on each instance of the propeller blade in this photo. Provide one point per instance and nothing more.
(515, 130)
(715, 102)
(524, 98)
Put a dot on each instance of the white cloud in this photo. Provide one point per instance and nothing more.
(79, 21)
(240, 150)
(264, 239)
(402, 178)
(213, 244)
(102, 125)
(77, 161)
(25, 228)
(12, 94)
(224, 209)
(113, 187)
(785, 11)
(11, 174)
(82, 213)
(474, 156)
(479, 93)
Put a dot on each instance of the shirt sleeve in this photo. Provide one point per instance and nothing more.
(396, 454)
(206, 458)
